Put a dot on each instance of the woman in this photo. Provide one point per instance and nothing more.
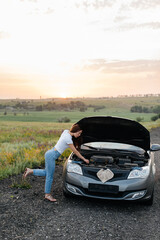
(69, 138)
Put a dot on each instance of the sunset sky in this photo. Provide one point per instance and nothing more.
(79, 48)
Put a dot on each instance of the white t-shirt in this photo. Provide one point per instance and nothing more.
(63, 141)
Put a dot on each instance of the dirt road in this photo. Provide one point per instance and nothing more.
(25, 215)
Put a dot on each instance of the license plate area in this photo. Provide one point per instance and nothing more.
(102, 188)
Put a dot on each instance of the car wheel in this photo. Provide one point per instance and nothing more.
(67, 194)
(149, 202)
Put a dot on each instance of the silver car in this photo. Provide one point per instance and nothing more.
(121, 161)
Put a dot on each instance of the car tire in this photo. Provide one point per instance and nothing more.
(67, 194)
(149, 202)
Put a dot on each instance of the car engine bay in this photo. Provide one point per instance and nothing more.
(119, 161)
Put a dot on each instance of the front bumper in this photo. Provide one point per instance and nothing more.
(128, 189)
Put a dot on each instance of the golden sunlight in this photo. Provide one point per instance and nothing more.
(63, 95)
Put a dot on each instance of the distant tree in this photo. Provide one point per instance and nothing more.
(64, 119)
(39, 108)
(97, 108)
(136, 108)
(154, 118)
(156, 109)
(83, 109)
(145, 109)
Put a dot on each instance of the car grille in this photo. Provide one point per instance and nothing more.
(118, 174)
(104, 194)
(101, 188)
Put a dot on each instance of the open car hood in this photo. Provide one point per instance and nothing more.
(114, 129)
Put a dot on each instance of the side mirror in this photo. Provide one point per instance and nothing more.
(155, 147)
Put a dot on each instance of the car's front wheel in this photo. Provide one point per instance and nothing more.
(67, 194)
(149, 202)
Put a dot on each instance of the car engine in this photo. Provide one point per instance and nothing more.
(120, 162)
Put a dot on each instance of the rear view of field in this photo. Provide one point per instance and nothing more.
(30, 127)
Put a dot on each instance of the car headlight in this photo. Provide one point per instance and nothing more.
(74, 168)
(142, 172)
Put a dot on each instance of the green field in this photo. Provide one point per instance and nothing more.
(113, 107)
(24, 138)
(74, 116)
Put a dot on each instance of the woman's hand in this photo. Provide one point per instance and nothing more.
(86, 161)
(78, 153)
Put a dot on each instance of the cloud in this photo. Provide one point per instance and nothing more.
(117, 67)
(49, 11)
(29, 1)
(4, 35)
(97, 4)
(145, 4)
(131, 26)
(120, 18)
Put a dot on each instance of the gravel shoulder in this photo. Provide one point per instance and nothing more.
(24, 214)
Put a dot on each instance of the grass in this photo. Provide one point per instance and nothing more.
(24, 139)
(74, 116)
(24, 145)
(119, 107)
(23, 184)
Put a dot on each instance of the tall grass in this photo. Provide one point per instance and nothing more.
(24, 146)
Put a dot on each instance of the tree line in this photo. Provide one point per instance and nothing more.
(51, 106)
(140, 109)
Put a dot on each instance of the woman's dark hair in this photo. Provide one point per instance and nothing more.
(76, 141)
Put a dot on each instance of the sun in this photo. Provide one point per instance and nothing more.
(63, 95)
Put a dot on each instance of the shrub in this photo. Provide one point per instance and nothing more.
(82, 109)
(154, 118)
(156, 109)
(39, 108)
(136, 109)
(64, 119)
(139, 119)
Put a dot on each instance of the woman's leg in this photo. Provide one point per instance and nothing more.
(50, 157)
(36, 172)
(39, 172)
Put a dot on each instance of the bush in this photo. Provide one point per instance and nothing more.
(83, 109)
(139, 119)
(154, 118)
(39, 108)
(64, 119)
(141, 109)
(136, 109)
(156, 109)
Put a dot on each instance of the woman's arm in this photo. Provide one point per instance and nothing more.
(72, 147)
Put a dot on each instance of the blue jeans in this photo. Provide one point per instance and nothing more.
(48, 172)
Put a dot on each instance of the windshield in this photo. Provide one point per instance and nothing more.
(112, 145)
